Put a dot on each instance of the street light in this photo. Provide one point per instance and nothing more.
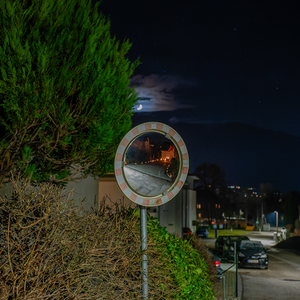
(276, 212)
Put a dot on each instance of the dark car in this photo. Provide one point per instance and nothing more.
(252, 254)
(186, 232)
(202, 232)
(224, 245)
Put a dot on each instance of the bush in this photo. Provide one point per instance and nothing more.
(52, 249)
(202, 249)
(184, 262)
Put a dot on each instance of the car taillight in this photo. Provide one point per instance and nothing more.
(217, 263)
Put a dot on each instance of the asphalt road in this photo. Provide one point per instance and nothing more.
(280, 282)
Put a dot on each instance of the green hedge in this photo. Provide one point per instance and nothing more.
(184, 262)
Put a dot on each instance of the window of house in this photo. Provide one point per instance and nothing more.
(199, 215)
(198, 206)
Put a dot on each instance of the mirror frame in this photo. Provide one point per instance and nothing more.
(169, 133)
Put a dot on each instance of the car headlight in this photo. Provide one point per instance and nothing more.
(241, 254)
(264, 256)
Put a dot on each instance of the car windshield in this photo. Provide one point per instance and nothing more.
(250, 245)
(202, 229)
(235, 238)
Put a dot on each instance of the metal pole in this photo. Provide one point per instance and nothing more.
(143, 214)
(236, 270)
(224, 290)
(277, 222)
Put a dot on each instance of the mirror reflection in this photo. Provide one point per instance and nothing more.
(151, 164)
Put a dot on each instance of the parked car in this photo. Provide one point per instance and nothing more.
(186, 232)
(224, 245)
(202, 232)
(252, 254)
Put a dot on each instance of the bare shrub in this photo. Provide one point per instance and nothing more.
(52, 249)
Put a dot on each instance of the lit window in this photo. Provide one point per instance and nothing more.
(199, 215)
(219, 206)
(198, 206)
(216, 205)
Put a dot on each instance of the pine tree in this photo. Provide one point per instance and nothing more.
(65, 103)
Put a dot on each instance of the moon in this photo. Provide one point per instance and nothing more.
(140, 107)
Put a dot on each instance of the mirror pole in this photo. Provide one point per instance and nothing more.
(143, 215)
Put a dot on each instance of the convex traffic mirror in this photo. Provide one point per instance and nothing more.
(151, 164)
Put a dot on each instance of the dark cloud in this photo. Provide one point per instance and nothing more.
(159, 92)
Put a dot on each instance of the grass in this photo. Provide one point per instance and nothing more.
(222, 232)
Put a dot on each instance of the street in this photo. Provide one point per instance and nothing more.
(280, 282)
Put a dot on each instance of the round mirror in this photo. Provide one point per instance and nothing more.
(151, 164)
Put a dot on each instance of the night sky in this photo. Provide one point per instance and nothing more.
(213, 62)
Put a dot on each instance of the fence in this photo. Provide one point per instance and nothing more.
(227, 287)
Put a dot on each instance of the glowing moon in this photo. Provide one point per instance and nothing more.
(140, 107)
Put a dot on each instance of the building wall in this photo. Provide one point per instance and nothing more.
(109, 192)
(170, 215)
(85, 188)
(85, 192)
(192, 212)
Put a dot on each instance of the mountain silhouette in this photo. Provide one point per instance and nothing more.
(247, 154)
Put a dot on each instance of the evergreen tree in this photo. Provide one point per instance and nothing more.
(65, 103)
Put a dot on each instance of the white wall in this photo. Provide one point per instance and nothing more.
(179, 212)
(192, 212)
(170, 215)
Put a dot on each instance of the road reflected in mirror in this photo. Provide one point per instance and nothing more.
(151, 164)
